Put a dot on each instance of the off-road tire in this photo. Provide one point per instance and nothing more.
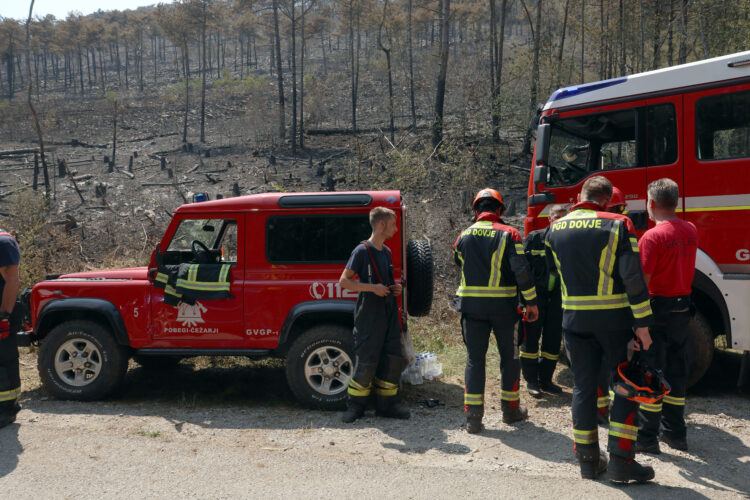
(419, 284)
(113, 359)
(700, 350)
(157, 363)
(328, 338)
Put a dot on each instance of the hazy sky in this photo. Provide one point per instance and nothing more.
(19, 9)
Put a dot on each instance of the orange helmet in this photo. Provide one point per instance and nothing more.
(488, 193)
(618, 198)
(637, 382)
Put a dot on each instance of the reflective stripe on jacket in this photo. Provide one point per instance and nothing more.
(493, 268)
(596, 255)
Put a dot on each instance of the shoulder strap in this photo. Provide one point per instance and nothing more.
(372, 261)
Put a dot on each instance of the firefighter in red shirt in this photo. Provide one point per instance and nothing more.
(603, 297)
(493, 270)
(668, 258)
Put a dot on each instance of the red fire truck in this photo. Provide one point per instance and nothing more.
(690, 123)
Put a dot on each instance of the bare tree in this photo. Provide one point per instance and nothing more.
(37, 127)
(437, 124)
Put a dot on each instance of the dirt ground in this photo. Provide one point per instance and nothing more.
(232, 429)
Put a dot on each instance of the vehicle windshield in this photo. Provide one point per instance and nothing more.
(584, 144)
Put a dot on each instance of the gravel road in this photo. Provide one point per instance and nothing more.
(142, 444)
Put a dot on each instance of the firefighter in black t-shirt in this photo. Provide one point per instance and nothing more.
(10, 380)
(377, 332)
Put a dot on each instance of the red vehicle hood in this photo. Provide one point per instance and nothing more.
(133, 273)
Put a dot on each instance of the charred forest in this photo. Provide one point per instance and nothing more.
(110, 121)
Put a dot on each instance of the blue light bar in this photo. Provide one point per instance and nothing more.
(582, 89)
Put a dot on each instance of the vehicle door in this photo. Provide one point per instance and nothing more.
(665, 142)
(212, 322)
(717, 168)
(605, 140)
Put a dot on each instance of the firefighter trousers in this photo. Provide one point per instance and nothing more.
(10, 379)
(539, 362)
(476, 330)
(587, 351)
(377, 347)
(671, 337)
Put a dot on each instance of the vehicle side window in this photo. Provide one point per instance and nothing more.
(319, 239)
(584, 144)
(218, 235)
(228, 243)
(661, 135)
(722, 126)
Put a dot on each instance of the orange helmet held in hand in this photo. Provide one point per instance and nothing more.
(637, 382)
(488, 193)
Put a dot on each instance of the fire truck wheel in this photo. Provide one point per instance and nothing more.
(319, 366)
(419, 278)
(701, 351)
(157, 362)
(81, 360)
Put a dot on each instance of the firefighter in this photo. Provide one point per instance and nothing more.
(604, 395)
(668, 253)
(377, 332)
(10, 379)
(603, 297)
(537, 365)
(493, 268)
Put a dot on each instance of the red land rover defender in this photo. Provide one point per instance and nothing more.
(250, 276)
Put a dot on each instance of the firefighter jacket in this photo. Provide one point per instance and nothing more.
(493, 268)
(596, 256)
(191, 282)
(545, 282)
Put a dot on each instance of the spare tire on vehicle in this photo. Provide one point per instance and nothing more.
(419, 277)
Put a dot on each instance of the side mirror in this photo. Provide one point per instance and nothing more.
(540, 175)
(542, 145)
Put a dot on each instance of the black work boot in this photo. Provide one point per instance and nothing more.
(474, 419)
(530, 370)
(516, 414)
(677, 443)
(623, 470)
(388, 407)
(546, 370)
(354, 410)
(644, 445)
(591, 469)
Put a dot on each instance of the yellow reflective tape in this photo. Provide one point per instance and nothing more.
(357, 385)
(717, 209)
(623, 430)
(509, 395)
(224, 274)
(607, 260)
(551, 357)
(641, 310)
(497, 262)
(529, 294)
(384, 384)
(358, 392)
(563, 288)
(10, 395)
(671, 400)
(386, 392)
(519, 247)
(486, 291)
(538, 253)
(161, 278)
(473, 399)
(602, 402)
(654, 408)
(634, 244)
(528, 355)
(585, 437)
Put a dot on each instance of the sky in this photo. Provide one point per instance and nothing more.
(19, 9)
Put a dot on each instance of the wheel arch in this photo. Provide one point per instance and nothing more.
(82, 308)
(709, 300)
(307, 314)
